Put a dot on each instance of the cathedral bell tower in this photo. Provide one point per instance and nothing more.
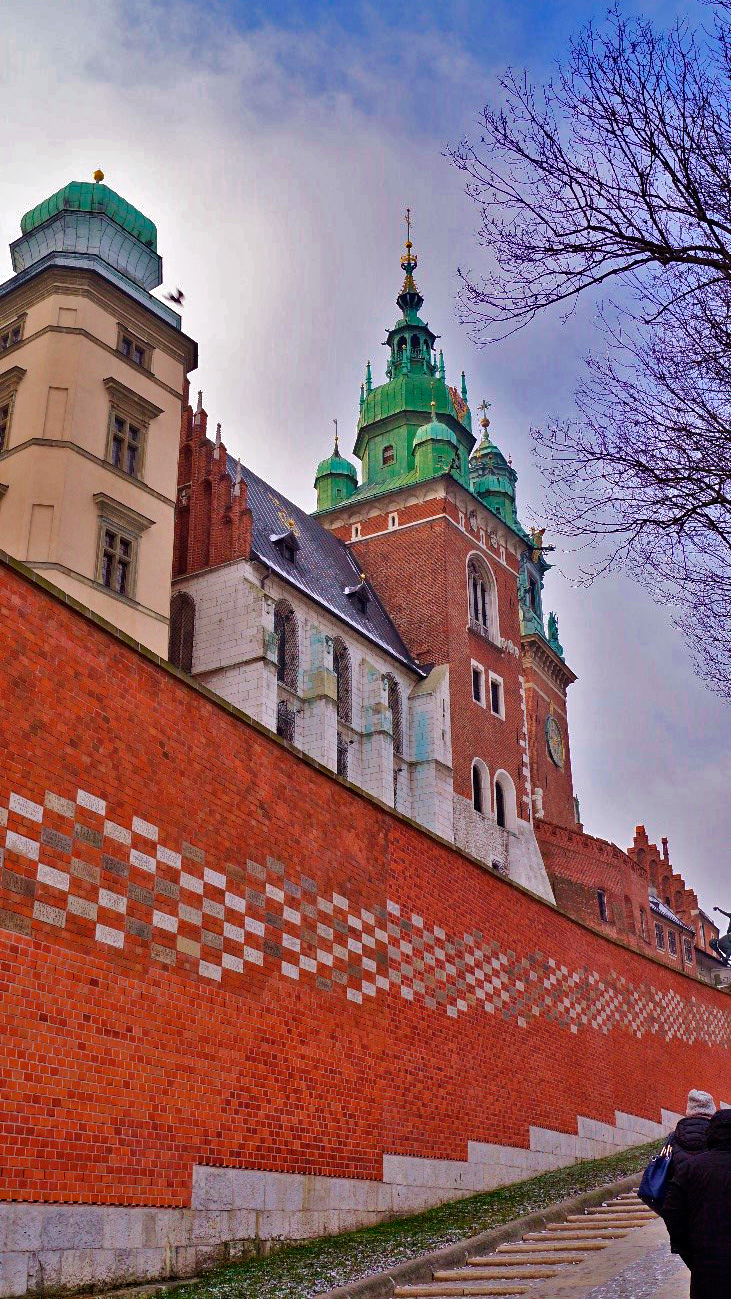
(92, 376)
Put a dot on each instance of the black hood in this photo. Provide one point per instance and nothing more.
(718, 1133)
(691, 1132)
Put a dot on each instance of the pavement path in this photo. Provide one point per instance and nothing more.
(618, 1250)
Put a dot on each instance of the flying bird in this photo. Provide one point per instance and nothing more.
(178, 297)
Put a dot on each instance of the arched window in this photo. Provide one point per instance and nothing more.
(678, 899)
(500, 805)
(343, 678)
(506, 813)
(389, 455)
(653, 873)
(402, 345)
(394, 703)
(478, 790)
(482, 599)
(182, 631)
(416, 344)
(285, 630)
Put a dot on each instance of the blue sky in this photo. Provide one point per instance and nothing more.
(276, 146)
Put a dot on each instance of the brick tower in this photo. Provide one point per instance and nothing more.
(439, 540)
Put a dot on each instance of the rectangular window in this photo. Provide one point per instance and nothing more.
(478, 684)
(133, 349)
(5, 409)
(116, 558)
(125, 445)
(393, 520)
(10, 335)
(497, 697)
(688, 951)
(602, 900)
(672, 943)
(355, 534)
(659, 937)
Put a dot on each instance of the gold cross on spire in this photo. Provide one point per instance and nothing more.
(407, 219)
(484, 407)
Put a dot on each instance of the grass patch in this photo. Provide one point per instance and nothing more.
(315, 1266)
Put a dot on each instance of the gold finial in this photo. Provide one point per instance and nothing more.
(409, 256)
(335, 422)
(433, 399)
(98, 175)
(484, 407)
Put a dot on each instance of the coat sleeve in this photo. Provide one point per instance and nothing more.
(675, 1214)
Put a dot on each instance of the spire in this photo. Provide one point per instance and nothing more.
(336, 452)
(237, 479)
(217, 448)
(442, 374)
(369, 378)
(409, 299)
(200, 400)
(464, 387)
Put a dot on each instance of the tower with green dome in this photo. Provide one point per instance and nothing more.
(92, 372)
(414, 426)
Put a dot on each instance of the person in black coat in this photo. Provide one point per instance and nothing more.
(697, 1212)
(689, 1137)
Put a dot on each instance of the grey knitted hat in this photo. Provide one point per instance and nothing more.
(700, 1103)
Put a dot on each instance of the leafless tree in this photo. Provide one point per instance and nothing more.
(619, 169)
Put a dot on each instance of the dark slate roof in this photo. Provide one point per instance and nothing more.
(324, 567)
(660, 908)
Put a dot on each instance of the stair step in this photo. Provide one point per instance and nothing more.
(537, 1247)
(593, 1241)
(437, 1290)
(500, 1261)
(504, 1273)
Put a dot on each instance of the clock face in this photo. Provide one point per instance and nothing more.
(554, 741)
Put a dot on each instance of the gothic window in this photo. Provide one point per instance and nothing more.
(342, 756)
(678, 900)
(688, 951)
(388, 456)
(285, 630)
(672, 943)
(286, 721)
(659, 937)
(643, 925)
(394, 703)
(482, 599)
(343, 679)
(182, 631)
(601, 898)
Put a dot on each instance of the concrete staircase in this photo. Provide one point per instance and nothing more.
(540, 1255)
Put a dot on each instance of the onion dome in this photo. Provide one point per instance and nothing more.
(492, 477)
(336, 479)
(436, 448)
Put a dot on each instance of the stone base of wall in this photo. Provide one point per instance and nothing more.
(235, 1212)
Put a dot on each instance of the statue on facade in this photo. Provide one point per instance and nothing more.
(722, 945)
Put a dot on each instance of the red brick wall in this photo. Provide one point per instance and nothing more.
(122, 1066)
(579, 865)
(543, 695)
(420, 574)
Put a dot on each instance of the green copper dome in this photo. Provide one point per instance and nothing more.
(83, 196)
(435, 431)
(336, 479)
(336, 464)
